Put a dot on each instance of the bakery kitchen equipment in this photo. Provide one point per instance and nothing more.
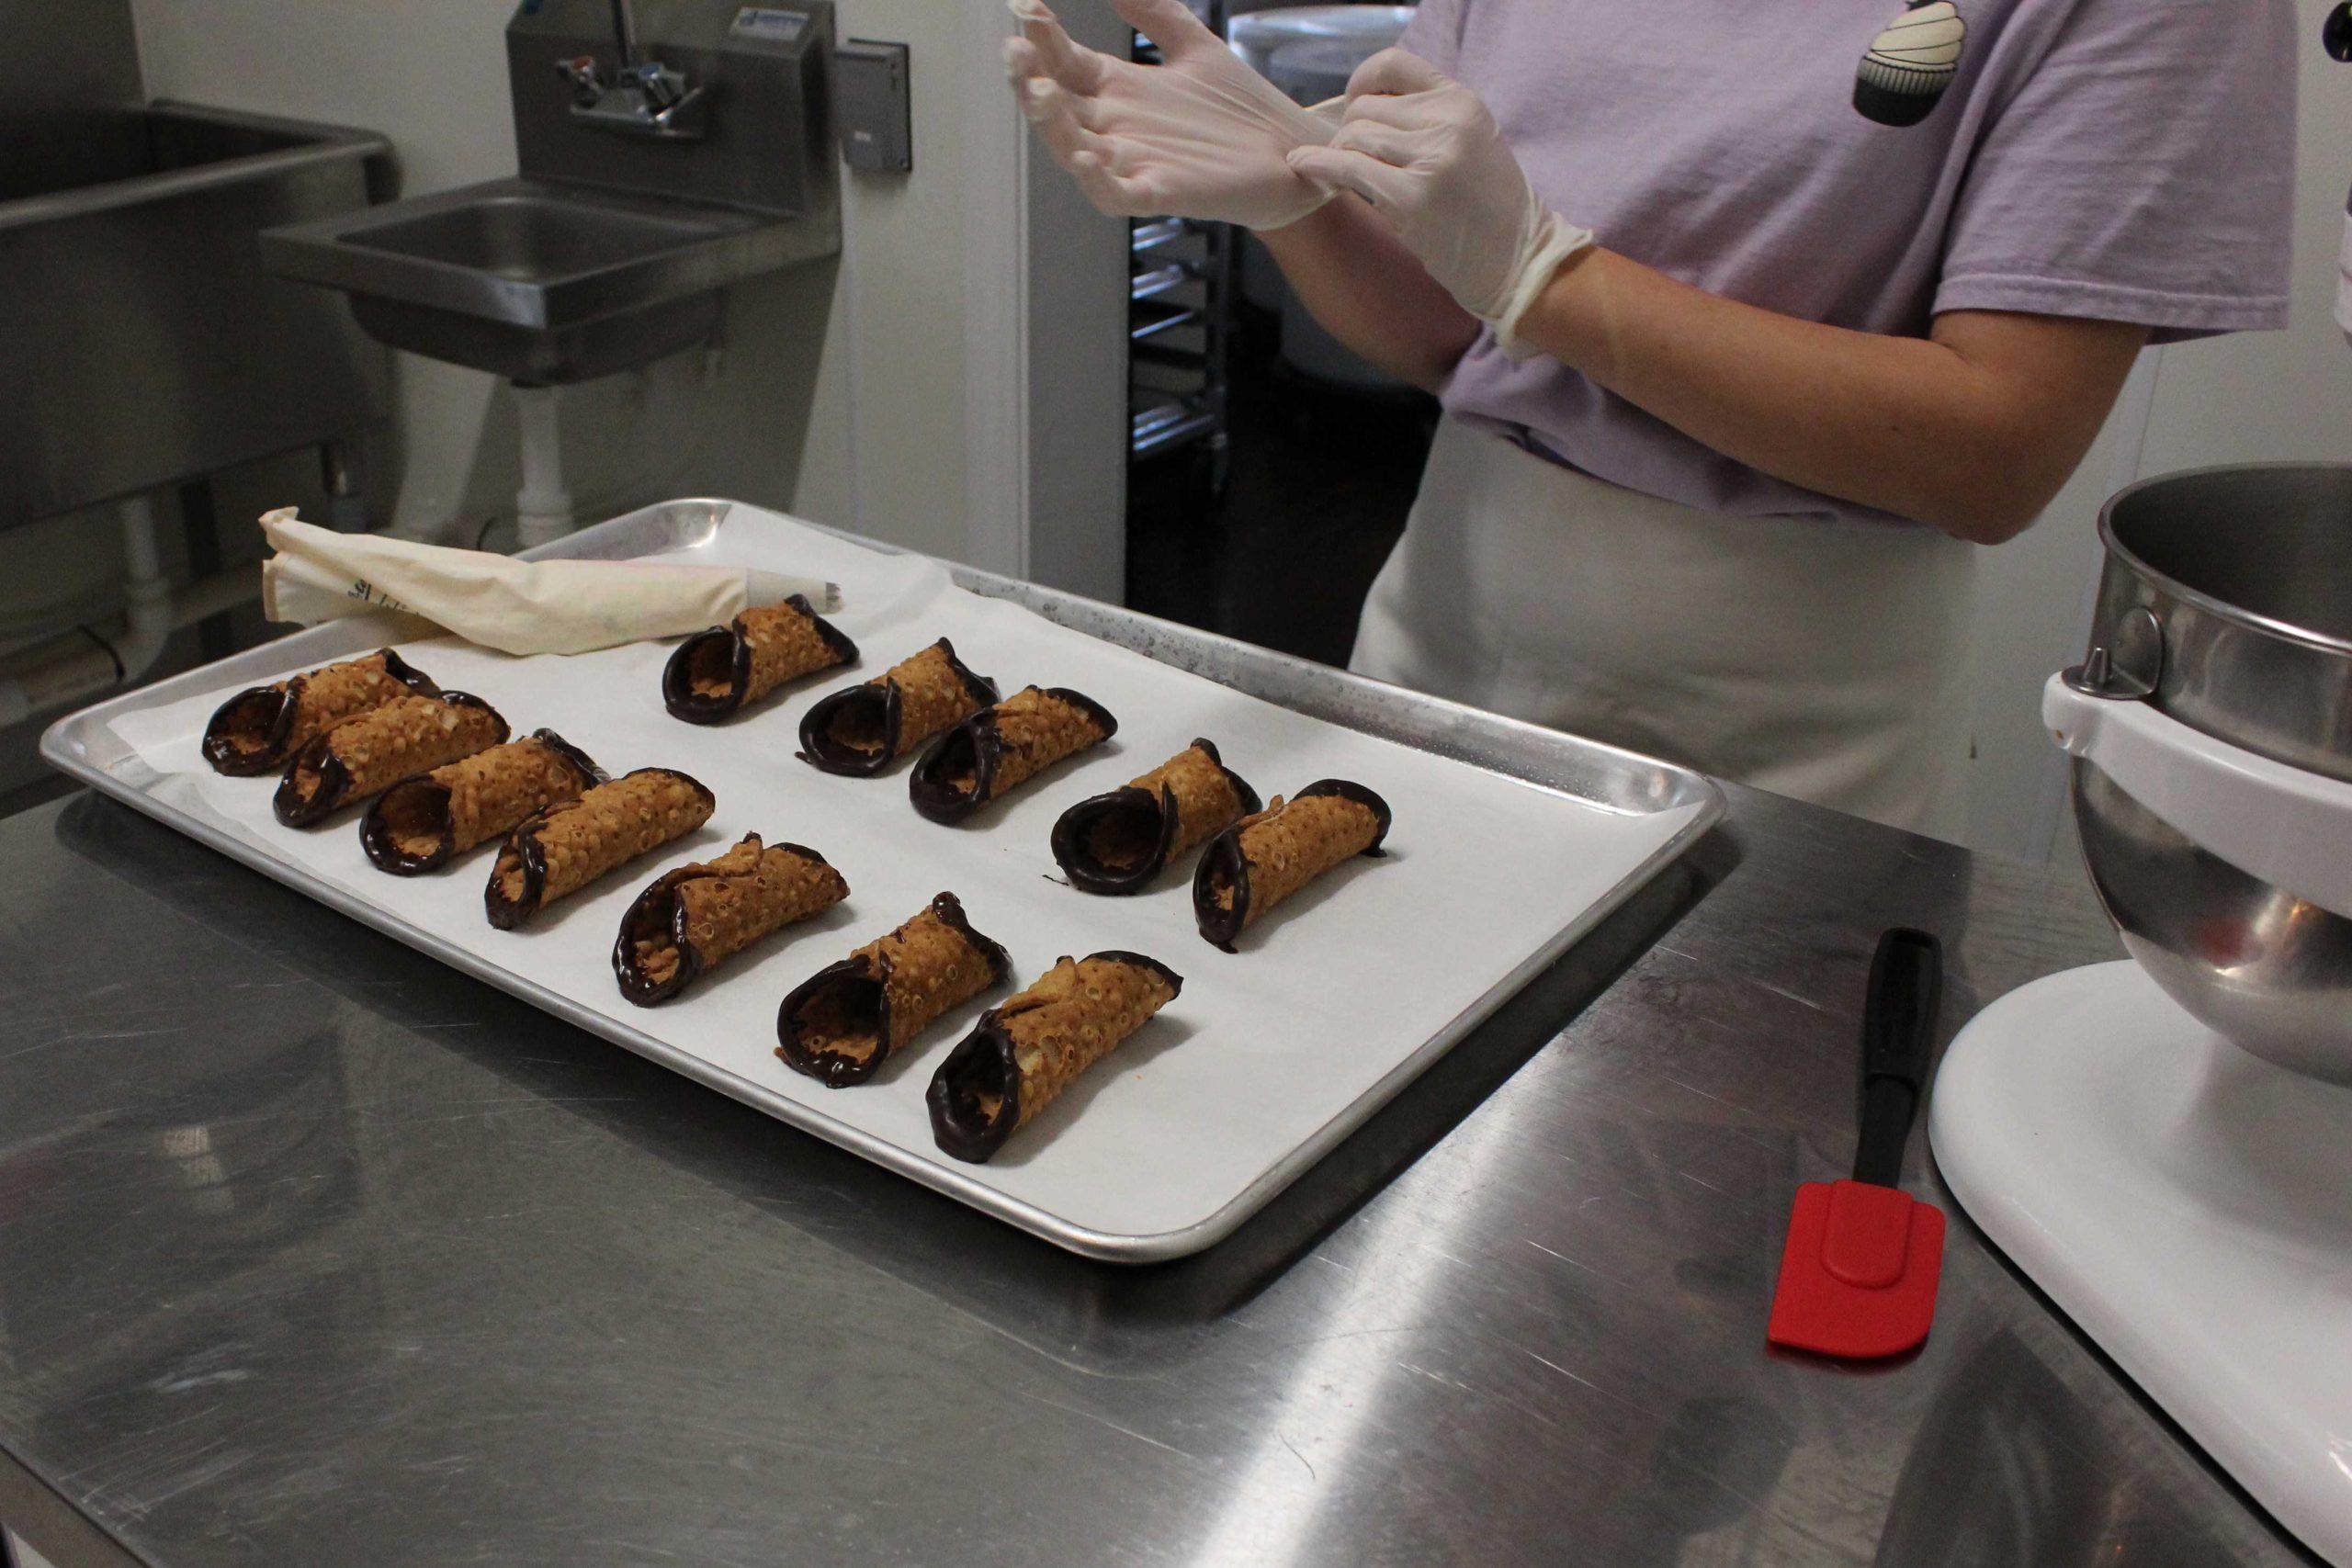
(1859, 1271)
(2210, 729)
(2166, 1147)
(1337, 1000)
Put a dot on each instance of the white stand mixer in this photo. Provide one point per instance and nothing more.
(2164, 1145)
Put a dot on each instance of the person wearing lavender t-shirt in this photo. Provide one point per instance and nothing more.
(1752, 321)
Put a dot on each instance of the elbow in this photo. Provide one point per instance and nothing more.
(1999, 496)
(1990, 521)
(1434, 365)
(1430, 374)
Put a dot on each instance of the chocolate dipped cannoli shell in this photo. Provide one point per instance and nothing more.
(1023, 1053)
(421, 822)
(1117, 843)
(1263, 859)
(564, 848)
(714, 674)
(998, 750)
(692, 917)
(373, 751)
(256, 730)
(860, 730)
(840, 1024)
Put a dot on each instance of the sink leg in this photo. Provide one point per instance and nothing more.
(342, 468)
(200, 523)
(543, 506)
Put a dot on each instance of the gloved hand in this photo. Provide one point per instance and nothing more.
(1424, 151)
(1201, 136)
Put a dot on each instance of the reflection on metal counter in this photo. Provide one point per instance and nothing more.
(696, 1335)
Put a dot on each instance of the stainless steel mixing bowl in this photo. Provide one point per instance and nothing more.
(2226, 604)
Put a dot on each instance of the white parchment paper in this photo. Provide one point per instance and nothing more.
(1327, 997)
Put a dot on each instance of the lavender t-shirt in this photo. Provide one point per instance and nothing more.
(2122, 159)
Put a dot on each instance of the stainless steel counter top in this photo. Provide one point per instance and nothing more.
(313, 1252)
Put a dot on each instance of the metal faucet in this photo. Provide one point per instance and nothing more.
(644, 97)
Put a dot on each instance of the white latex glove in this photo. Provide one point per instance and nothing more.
(1201, 136)
(1423, 150)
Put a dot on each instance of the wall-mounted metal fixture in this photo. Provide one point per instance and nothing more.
(873, 100)
(606, 251)
(641, 98)
(639, 201)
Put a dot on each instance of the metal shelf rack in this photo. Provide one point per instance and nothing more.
(1181, 285)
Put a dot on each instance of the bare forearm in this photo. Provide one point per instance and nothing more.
(1370, 292)
(1971, 431)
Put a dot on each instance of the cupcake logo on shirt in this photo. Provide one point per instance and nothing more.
(1907, 67)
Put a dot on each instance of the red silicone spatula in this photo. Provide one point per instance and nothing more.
(1858, 1277)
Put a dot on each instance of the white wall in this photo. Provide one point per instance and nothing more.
(882, 394)
(2277, 396)
(2253, 397)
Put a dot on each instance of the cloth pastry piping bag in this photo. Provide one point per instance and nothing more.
(545, 606)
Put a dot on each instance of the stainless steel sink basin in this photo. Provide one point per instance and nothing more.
(613, 245)
(537, 281)
(130, 283)
(95, 160)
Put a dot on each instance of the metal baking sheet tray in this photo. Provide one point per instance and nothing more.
(1509, 843)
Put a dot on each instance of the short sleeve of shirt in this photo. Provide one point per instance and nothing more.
(1435, 33)
(2140, 169)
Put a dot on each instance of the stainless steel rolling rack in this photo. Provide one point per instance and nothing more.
(1181, 289)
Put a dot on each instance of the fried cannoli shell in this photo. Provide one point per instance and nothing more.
(256, 730)
(842, 1023)
(714, 674)
(371, 752)
(1263, 859)
(860, 730)
(420, 823)
(1117, 843)
(996, 751)
(1024, 1052)
(565, 848)
(692, 917)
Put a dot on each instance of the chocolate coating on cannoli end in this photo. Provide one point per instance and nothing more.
(713, 673)
(667, 939)
(318, 781)
(1225, 897)
(256, 730)
(840, 1024)
(998, 748)
(1348, 789)
(411, 827)
(861, 730)
(518, 881)
(1117, 843)
(1070, 1019)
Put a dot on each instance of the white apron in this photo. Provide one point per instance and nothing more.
(1826, 661)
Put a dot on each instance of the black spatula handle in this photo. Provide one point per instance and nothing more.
(1898, 1030)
